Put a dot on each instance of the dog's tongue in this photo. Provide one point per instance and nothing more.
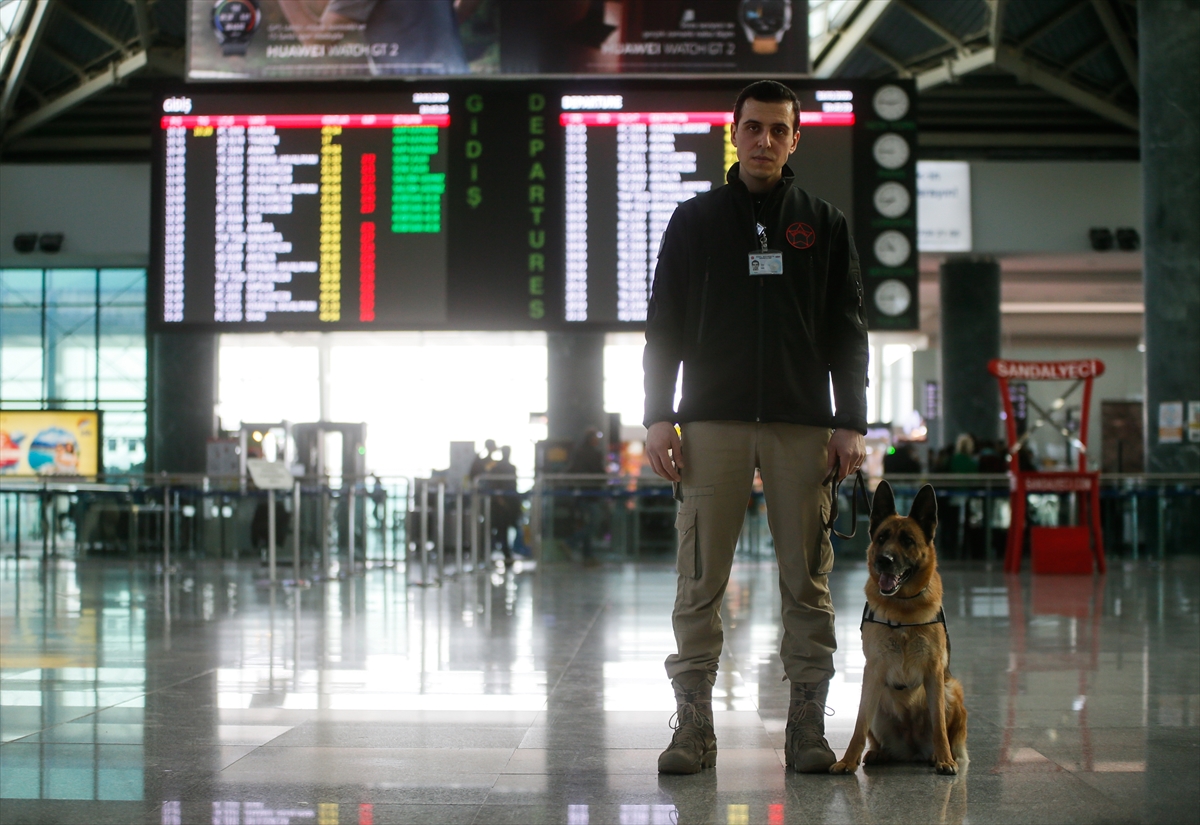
(887, 582)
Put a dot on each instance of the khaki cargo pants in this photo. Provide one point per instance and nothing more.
(719, 462)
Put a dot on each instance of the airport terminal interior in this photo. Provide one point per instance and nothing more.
(365, 528)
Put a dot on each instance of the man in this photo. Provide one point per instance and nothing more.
(758, 294)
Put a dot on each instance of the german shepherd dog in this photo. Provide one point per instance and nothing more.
(911, 708)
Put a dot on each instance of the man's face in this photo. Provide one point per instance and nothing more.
(764, 137)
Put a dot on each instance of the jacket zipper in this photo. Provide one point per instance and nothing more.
(703, 303)
(759, 413)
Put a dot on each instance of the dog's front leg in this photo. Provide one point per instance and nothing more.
(935, 695)
(872, 690)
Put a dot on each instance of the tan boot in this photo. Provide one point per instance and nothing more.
(805, 748)
(694, 745)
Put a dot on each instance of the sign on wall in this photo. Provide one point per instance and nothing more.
(50, 442)
(943, 206)
(325, 39)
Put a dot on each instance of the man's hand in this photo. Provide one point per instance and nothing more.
(665, 451)
(847, 446)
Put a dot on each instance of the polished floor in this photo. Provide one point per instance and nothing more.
(538, 696)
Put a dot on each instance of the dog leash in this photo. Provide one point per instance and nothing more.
(860, 483)
(869, 616)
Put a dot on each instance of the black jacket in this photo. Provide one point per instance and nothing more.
(759, 348)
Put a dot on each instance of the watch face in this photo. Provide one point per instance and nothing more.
(890, 102)
(890, 151)
(235, 18)
(892, 248)
(892, 199)
(892, 297)
(766, 16)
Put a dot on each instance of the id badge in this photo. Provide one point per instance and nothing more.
(766, 263)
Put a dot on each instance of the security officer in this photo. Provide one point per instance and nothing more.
(758, 294)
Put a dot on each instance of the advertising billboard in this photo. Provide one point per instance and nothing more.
(49, 442)
(329, 39)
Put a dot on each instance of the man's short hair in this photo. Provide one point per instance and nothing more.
(767, 91)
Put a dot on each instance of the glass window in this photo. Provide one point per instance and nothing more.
(76, 339)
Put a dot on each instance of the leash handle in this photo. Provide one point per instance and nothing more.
(835, 483)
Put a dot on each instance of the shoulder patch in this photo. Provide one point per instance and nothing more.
(801, 235)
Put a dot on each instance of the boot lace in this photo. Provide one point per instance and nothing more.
(688, 724)
(807, 710)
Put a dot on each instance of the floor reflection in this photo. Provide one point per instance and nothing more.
(538, 695)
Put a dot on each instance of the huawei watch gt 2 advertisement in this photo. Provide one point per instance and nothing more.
(327, 39)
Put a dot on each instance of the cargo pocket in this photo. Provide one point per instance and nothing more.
(688, 563)
(822, 559)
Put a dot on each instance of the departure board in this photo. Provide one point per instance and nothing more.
(485, 204)
(632, 158)
(292, 212)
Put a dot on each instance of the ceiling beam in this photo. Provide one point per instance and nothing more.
(24, 56)
(888, 58)
(9, 47)
(1052, 23)
(115, 72)
(1112, 27)
(1029, 71)
(1086, 55)
(141, 14)
(61, 58)
(956, 67)
(92, 28)
(843, 44)
(995, 21)
(933, 25)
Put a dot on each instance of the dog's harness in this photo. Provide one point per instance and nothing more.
(869, 616)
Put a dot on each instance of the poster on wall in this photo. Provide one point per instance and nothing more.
(1170, 422)
(49, 442)
(330, 39)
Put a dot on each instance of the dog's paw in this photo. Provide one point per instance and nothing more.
(843, 767)
(948, 767)
(875, 757)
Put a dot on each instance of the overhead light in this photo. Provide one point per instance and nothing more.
(50, 242)
(1101, 238)
(25, 242)
(1128, 239)
(256, 435)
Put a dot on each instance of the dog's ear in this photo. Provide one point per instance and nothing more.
(924, 511)
(883, 505)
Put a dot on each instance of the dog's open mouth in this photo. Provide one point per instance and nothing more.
(890, 583)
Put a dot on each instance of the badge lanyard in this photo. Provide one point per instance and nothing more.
(766, 261)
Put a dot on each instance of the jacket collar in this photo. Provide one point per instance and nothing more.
(732, 178)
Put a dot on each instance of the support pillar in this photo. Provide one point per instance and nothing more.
(575, 395)
(970, 337)
(1169, 82)
(183, 400)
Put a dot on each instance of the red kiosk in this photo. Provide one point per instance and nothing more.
(1077, 549)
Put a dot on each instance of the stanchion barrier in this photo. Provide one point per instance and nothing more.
(441, 530)
(486, 544)
(458, 530)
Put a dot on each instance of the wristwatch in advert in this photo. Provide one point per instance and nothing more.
(234, 22)
(765, 22)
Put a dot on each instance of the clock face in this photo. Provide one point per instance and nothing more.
(892, 248)
(892, 298)
(890, 102)
(236, 18)
(892, 199)
(890, 151)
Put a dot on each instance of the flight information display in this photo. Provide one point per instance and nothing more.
(630, 160)
(292, 213)
(487, 205)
